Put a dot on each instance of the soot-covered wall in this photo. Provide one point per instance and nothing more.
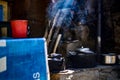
(32, 10)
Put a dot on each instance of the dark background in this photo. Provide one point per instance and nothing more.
(35, 12)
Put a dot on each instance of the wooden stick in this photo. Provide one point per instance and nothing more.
(57, 42)
(46, 30)
(53, 25)
(54, 38)
(50, 34)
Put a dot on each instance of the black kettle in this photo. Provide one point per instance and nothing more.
(81, 58)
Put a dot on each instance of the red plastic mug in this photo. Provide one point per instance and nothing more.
(19, 28)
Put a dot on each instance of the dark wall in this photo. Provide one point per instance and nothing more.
(35, 12)
(110, 30)
(32, 10)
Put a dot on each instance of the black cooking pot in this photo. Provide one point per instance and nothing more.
(55, 62)
(81, 59)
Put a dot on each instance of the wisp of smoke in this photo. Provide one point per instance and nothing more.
(66, 10)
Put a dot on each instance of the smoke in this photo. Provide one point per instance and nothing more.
(65, 17)
(64, 12)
